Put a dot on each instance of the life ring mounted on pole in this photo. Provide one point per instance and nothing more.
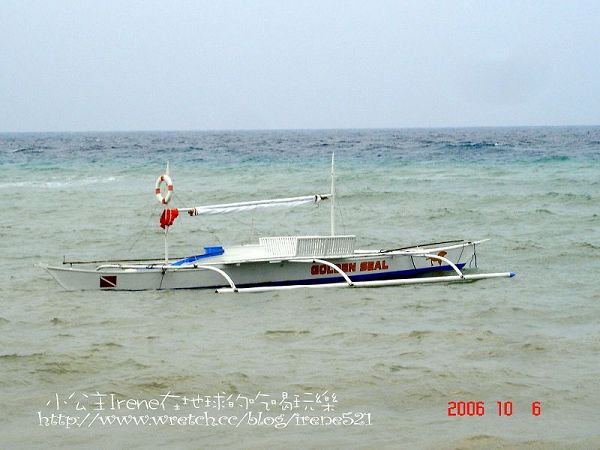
(166, 179)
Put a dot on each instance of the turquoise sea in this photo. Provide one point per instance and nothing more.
(396, 355)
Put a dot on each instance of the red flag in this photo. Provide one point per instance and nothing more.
(168, 216)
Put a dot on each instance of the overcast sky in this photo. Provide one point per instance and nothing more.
(195, 65)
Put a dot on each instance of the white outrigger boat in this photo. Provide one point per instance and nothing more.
(282, 262)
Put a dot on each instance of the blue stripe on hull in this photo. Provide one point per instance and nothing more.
(365, 277)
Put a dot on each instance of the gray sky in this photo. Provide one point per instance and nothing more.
(194, 65)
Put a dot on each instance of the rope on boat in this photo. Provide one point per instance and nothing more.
(162, 277)
(462, 250)
(421, 245)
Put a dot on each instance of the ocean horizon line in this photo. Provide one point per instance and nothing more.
(236, 130)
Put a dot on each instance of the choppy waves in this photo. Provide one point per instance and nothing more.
(399, 353)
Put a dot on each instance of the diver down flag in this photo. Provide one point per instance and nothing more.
(108, 281)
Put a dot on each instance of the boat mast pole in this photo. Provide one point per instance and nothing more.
(166, 228)
(333, 194)
(166, 247)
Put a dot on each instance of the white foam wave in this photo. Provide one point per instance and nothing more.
(56, 183)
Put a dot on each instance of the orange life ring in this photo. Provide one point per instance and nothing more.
(167, 179)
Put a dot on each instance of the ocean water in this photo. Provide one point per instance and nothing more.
(398, 355)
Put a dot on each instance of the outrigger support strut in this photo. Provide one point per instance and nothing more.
(222, 272)
(327, 263)
(446, 260)
(165, 269)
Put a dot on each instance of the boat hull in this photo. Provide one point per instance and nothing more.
(307, 271)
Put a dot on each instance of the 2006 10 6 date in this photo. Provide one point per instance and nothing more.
(473, 409)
